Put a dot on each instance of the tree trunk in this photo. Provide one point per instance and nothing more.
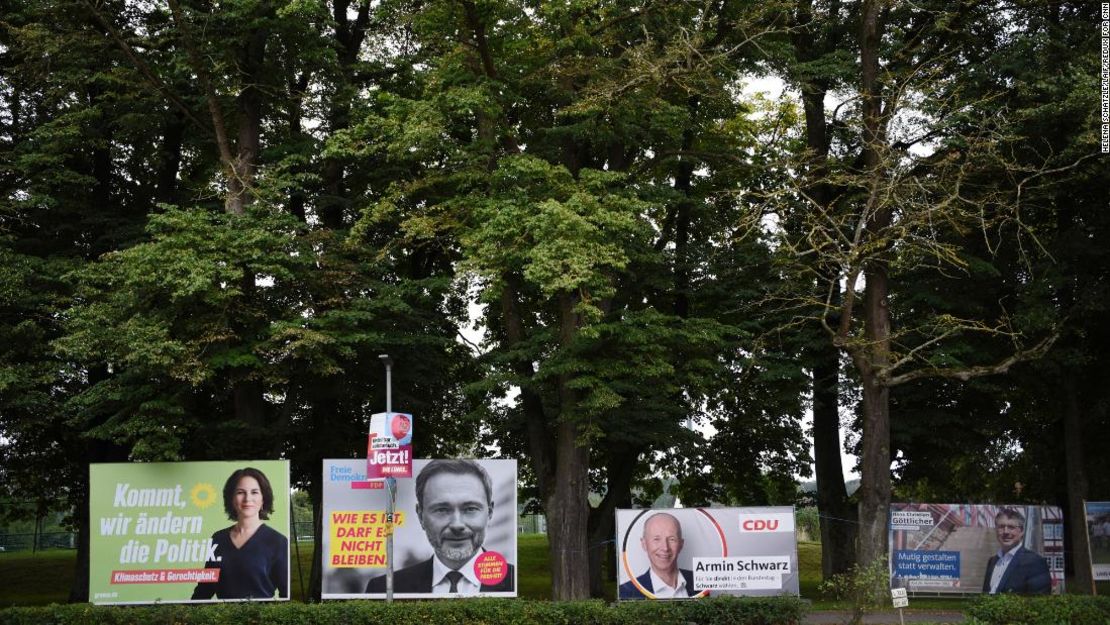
(79, 589)
(249, 403)
(349, 35)
(169, 163)
(539, 435)
(560, 463)
(838, 519)
(1075, 517)
(874, 356)
(316, 575)
(874, 490)
(567, 509)
(297, 87)
(562, 466)
(323, 397)
(599, 529)
(875, 483)
(1077, 541)
(567, 504)
(235, 192)
(95, 451)
(249, 140)
(602, 520)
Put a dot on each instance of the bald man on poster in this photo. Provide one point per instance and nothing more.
(662, 542)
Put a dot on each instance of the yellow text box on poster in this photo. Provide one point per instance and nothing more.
(358, 537)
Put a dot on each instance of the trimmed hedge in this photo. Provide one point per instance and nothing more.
(714, 611)
(1057, 610)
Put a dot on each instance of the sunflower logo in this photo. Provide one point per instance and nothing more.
(203, 495)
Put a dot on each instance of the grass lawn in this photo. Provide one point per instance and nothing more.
(38, 579)
(45, 577)
(533, 555)
(809, 561)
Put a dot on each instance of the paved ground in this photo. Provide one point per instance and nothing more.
(890, 617)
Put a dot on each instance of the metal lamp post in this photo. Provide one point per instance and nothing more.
(390, 485)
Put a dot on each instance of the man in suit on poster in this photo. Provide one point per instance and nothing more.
(454, 503)
(662, 542)
(1014, 568)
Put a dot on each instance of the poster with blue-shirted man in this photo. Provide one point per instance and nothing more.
(976, 549)
(181, 532)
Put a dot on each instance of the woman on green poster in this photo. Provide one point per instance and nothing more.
(253, 558)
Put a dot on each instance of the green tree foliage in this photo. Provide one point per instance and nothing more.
(215, 217)
(175, 329)
(933, 233)
(1045, 412)
(581, 160)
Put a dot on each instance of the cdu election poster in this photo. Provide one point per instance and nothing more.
(175, 532)
(691, 553)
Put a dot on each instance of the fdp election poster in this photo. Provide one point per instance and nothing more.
(971, 548)
(454, 531)
(1098, 536)
(189, 531)
(685, 553)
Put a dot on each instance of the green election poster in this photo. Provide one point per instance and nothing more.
(189, 531)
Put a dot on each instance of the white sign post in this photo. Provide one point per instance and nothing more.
(901, 600)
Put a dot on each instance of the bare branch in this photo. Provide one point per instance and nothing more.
(477, 349)
(143, 68)
(233, 202)
(912, 354)
(967, 373)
